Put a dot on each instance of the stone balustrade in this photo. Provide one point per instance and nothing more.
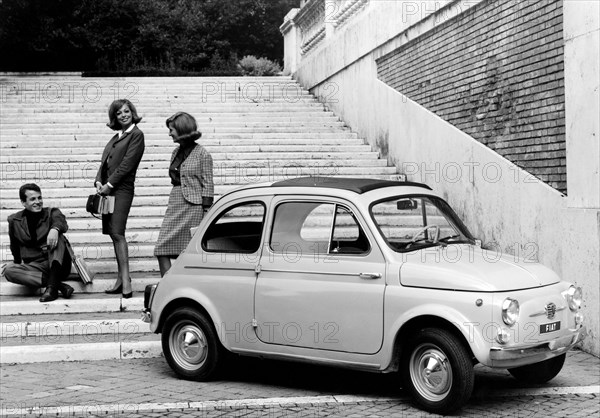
(304, 29)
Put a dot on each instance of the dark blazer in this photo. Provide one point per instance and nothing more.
(20, 241)
(197, 176)
(122, 157)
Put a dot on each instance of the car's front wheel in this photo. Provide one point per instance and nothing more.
(539, 372)
(437, 371)
(190, 344)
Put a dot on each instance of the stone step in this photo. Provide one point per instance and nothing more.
(293, 96)
(247, 136)
(163, 143)
(139, 265)
(101, 282)
(225, 173)
(217, 151)
(145, 346)
(160, 153)
(100, 115)
(243, 159)
(74, 128)
(62, 177)
(241, 130)
(80, 303)
(194, 109)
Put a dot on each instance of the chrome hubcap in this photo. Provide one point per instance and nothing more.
(430, 372)
(189, 347)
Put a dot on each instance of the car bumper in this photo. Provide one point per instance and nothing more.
(519, 356)
(148, 296)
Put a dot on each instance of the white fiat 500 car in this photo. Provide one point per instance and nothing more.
(360, 273)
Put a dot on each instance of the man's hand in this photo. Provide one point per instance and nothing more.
(98, 186)
(3, 267)
(52, 239)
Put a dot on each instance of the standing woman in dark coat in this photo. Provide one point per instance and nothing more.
(191, 173)
(116, 177)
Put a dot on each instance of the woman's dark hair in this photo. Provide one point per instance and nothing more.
(185, 125)
(28, 186)
(114, 108)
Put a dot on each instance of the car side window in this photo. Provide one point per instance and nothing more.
(237, 229)
(348, 237)
(316, 228)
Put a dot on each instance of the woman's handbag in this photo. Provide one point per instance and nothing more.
(80, 265)
(100, 205)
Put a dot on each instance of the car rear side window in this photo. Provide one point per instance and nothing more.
(237, 229)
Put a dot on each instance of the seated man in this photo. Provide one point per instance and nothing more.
(38, 248)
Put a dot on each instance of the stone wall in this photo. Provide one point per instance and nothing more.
(496, 72)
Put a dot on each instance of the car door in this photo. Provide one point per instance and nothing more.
(224, 267)
(321, 279)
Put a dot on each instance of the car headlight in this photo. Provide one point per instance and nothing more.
(510, 311)
(574, 298)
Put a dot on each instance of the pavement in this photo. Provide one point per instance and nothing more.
(251, 387)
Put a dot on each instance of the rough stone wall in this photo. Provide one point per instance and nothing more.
(497, 73)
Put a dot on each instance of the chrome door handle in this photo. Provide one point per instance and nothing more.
(369, 275)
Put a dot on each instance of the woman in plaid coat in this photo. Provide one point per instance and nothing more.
(191, 173)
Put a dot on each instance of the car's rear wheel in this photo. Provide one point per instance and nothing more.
(438, 371)
(190, 344)
(539, 372)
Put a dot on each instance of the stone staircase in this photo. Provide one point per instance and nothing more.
(52, 132)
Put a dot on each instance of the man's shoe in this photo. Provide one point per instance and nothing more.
(50, 294)
(65, 290)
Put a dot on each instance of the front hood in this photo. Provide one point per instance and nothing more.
(470, 268)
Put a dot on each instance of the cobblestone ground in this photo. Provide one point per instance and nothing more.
(255, 388)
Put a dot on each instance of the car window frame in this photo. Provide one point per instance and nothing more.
(453, 216)
(226, 208)
(320, 200)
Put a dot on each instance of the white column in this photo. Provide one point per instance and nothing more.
(291, 42)
(582, 101)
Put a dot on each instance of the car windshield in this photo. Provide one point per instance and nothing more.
(414, 222)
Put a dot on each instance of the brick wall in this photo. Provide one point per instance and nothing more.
(496, 73)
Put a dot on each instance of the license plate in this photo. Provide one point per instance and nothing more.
(551, 327)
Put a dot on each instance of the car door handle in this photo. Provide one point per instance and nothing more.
(369, 275)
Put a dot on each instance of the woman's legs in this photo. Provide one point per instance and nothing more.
(122, 254)
(164, 264)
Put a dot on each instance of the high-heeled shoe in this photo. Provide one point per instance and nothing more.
(115, 290)
(127, 295)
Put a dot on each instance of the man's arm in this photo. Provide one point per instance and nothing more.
(58, 225)
(15, 248)
(58, 221)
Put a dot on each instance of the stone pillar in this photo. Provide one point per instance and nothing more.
(582, 101)
(291, 42)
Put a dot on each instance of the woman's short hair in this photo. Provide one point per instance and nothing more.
(185, 125)
(114, 108)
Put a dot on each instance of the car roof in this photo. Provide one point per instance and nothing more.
(356, 185)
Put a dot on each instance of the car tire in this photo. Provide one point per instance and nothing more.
(539, 372)
(437, 371)
(190, 345)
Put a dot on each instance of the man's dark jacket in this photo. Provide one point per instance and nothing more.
(20, 241)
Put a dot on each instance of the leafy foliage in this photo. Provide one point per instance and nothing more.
(139, 36)
(252, 66)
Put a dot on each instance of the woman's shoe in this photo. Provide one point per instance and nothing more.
(115, 290)
(127, 295)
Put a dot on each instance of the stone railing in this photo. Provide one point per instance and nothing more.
(311, 21)
(304, 29)
(345, 9)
